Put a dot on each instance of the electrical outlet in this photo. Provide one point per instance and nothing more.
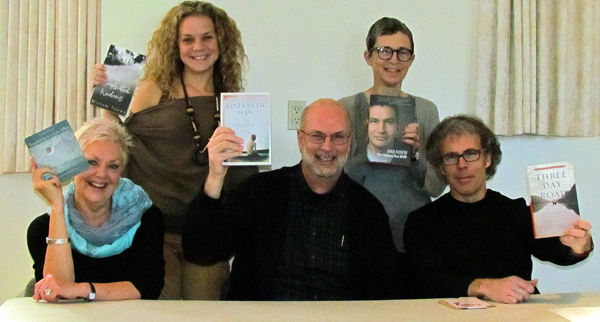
(295, 109)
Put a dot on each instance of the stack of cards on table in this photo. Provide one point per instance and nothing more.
(466, 303)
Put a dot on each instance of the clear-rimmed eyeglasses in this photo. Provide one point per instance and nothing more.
(337, 138)
(469, 155)
(385, 53)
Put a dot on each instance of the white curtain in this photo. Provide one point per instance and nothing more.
(48, 50)
(538, 67)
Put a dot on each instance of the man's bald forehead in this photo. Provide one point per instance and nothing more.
(325, 107)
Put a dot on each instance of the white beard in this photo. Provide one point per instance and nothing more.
(327, 173)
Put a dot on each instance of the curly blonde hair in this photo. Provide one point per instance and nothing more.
(164, 66)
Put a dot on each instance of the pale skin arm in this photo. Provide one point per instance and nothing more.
(70, 290)
(59, 271)
(100, 78)
(578, 238)
(147, 94)
(514, 289)
(223, 145)
(58, 261)
(511, 290)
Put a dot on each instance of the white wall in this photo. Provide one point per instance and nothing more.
(312, 49)
(18, 207)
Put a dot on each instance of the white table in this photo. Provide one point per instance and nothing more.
(537, 309)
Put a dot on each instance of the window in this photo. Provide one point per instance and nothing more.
(538, 67)
(49, 50)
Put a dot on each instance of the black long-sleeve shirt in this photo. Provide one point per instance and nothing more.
(142, 263)
(451, 243)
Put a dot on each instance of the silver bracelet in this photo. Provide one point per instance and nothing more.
(51, 241)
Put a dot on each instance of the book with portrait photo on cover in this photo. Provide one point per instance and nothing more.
(249, 115)
(123, 69)
(57, 148)
(388, 116)
(554, 205)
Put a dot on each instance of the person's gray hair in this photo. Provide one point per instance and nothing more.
(102, 129)
(459, 125)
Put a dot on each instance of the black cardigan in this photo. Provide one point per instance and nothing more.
(250, 224)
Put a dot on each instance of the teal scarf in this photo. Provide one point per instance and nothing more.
(129, 202)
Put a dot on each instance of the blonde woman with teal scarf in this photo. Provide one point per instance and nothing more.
(102, 239)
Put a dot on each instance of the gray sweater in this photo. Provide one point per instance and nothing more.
(400, 189)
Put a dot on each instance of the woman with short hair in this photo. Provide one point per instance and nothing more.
(103, 238)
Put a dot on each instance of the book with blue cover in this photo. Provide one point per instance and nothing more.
(57, 148)
(123, 69)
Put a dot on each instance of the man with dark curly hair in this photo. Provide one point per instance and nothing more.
(474, 241)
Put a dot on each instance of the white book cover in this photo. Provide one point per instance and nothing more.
(249, 115)
(123, 69)
(553, 193)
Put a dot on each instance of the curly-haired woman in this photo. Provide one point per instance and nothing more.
(195, 54)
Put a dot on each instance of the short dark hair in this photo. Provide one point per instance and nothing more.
(392, 107)
(459, 125)
(388, 26)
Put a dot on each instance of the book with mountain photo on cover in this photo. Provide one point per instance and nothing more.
(553, 193)
(249, 115)
(123, 69)
(57, 148)
(388, 116)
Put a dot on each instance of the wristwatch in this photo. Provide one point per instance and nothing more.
(92, 294)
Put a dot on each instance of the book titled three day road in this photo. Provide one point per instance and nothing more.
(554, 206)
(57, 148)
(249, 115)
(123, 69)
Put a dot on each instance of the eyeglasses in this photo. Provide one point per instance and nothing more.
(320, 137)
(200, 155)
(469, 155)
(386, 53)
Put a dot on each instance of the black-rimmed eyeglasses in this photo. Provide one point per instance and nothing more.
(337, 138)
(385, 53)
(469, 155)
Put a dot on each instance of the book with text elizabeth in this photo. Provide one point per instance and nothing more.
(388, 116)
(554, 206)
(249, 115)
(57, 148)
(123, 69)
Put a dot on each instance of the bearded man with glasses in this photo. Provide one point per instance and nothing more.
(474, 241)
(306, 232)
